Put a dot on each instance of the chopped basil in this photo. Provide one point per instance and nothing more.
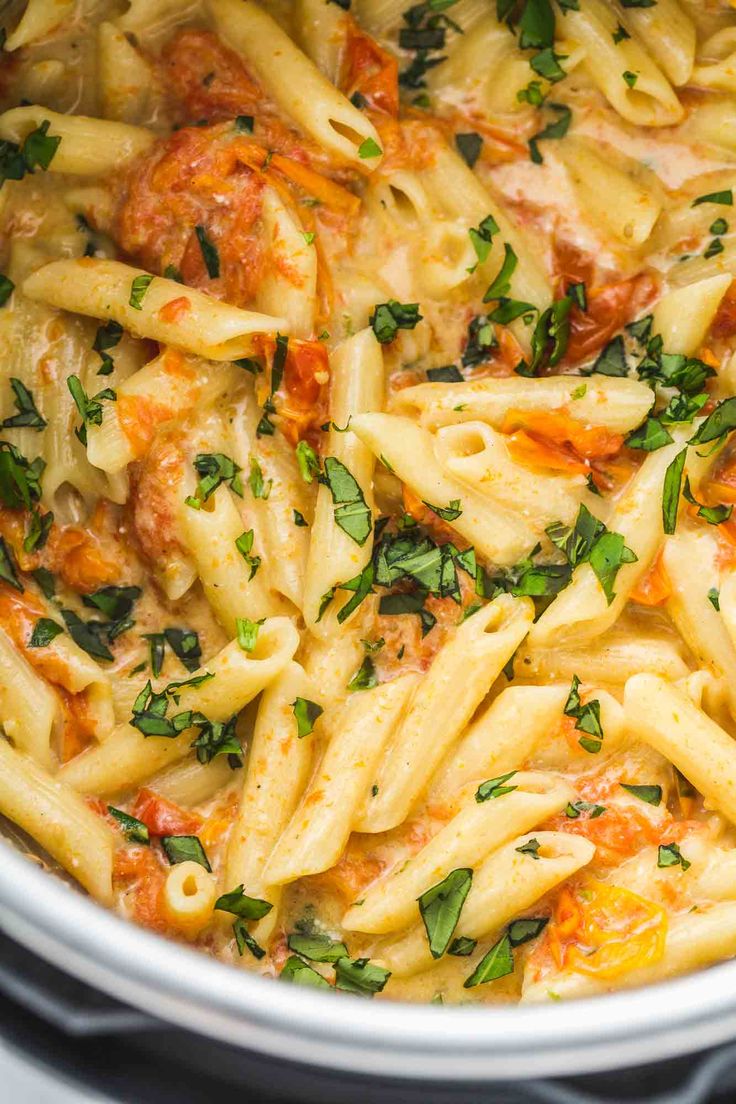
(28, 416)
(294, 969)
(480, 340)
(721, 421)
(440, 908)
(502, 283)
(244, 939)
(612, 360)
(116, 602)
(86, 636)
(715, 247)
(496, 963)
(462, 947)
(671, 492)
(522, 931)
(620, 34)
(45, 581)
(448, 513)
(134, 830)
(247, 633)
(365, 678)
(547, 64)
(217, 738)
(607, 558)
(44, 631)
(244, 123)
(214, 468)
(714, 515)
(89, 409)
(630, 78)
(299, 519)
(352, 514)
(156, 652)
(210, 255)
(360, 976)
(720, 226)
(531, 847)
(244, 545)
(714, 596)
(495, 787)
(306, 713)
(361, 585)
(469, 146)
(38, 531)
(449, 373)
(587, 718)
(651, 794)
(171, 272)
(180, 849)
(649, 437)
(537, 25)
(39, 148)
(388, 318)
(482, 238)
(556, 129)
(258, 486)
(369, 148)
(7, 287)
(725, 198)
(308, 461)
(107, 337)
(669, 854)
(317, 947)
(239, 904)
(138, 289)
(575, 808)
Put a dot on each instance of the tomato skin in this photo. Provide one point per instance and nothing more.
(724, 323)
(610, 306)
(655, 588)
(162, 817)
(140, 867)
(371, 71)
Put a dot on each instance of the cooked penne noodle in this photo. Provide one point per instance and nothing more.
(478, 829)
(87, 147)
(278, 768)
(59, 820)
(195, 323)
(296, 83)
(617, 404)
(443, 703)
(357, 734)
(505, 885)
(664, 717)
(128, 757)
(409, 452)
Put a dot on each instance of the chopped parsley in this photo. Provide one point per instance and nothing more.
(214, 468)
(352, 514)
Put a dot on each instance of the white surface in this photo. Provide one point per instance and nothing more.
(23, 1083)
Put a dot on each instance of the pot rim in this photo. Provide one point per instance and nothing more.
(384, 1038)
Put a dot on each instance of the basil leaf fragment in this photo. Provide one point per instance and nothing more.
(496, 963)
(306, 713)
(134, 830)
(669, 854)
(651, 794)
(440, 908)
(180, 849)
(44, 631)
(495, 787)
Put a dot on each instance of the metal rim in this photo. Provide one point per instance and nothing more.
(395, 1039)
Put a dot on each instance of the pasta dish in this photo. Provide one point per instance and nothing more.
(367, 558)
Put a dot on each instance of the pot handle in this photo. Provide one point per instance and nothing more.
(699, 1087)
(62, 1001)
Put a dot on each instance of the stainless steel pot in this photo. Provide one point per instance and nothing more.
(421, 1043)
